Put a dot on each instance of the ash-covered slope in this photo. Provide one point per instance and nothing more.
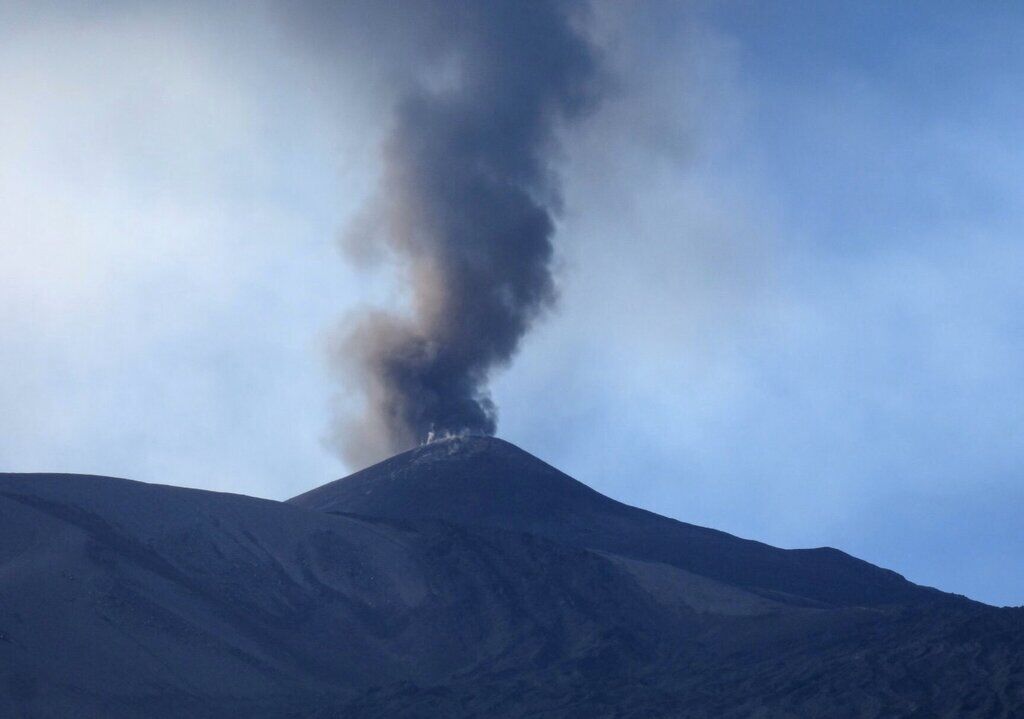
(464, 579)
(124, 599)
(485, 481)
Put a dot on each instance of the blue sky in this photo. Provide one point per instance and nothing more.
(789, 263)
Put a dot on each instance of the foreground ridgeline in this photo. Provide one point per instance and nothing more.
(464, 578)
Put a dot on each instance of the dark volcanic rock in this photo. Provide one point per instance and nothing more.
(465, 578)
(485, 481)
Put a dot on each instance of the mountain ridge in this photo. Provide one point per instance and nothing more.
(499, 485)
(474, 580)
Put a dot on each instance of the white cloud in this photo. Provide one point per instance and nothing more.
(168, 201)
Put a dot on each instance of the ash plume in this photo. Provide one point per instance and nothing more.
(466, 207)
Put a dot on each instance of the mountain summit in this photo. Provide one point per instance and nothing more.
(487, 482)
(464, 578)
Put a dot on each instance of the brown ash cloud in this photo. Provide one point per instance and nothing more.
(466, 208)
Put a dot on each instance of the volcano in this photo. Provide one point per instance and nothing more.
(463, 578)
(487, 482)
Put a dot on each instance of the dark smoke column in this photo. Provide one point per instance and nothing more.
(466, 206)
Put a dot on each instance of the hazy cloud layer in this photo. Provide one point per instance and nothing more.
(163, 247)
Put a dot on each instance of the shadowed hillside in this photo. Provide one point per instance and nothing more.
(487, 482)
(463, 578)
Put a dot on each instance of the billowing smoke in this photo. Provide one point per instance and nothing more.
(466, 207)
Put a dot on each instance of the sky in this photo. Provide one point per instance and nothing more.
(788, 260)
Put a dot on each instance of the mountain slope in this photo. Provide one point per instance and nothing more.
(464, 579)
(485, 481)
(119, 598)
